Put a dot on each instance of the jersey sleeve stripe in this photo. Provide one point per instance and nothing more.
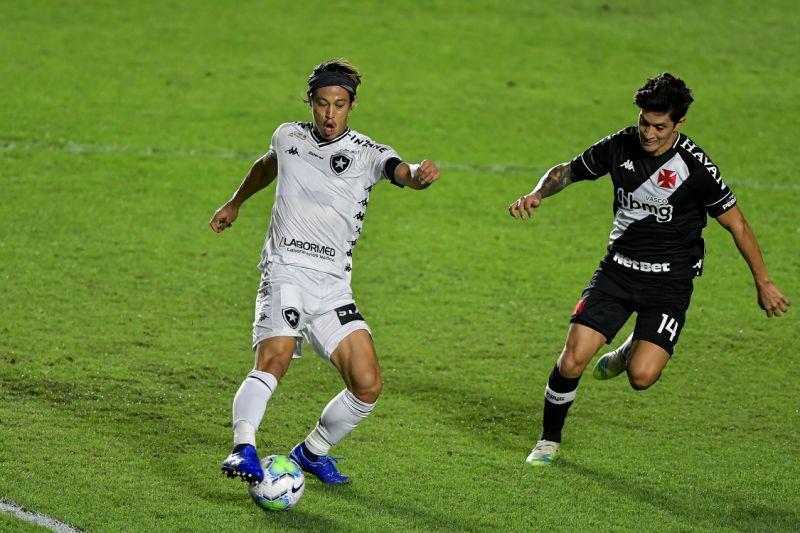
(585, 164)
(721, 199)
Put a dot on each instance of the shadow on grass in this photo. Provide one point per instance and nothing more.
(492, 416)
(298, 519)
(412, 516)
(744, 515)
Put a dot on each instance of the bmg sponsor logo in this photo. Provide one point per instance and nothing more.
(662, 212)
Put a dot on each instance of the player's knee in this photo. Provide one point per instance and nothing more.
(368, 387)
(570, 365)
(642, 380)
(276, 363)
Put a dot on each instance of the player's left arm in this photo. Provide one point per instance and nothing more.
(416, 176)
(770, 297)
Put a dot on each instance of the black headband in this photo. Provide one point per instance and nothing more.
(329, 78)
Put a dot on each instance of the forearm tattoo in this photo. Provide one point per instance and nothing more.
(555, 180)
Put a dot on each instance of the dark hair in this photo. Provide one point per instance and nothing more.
(340, 66)
(665, 94)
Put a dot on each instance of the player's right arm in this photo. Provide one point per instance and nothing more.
(261, 174)
(553, 181)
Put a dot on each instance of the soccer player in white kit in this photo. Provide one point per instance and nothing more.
(325, 173)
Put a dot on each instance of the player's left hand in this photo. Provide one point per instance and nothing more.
(523, 206)
(772, 300)
(427, 172)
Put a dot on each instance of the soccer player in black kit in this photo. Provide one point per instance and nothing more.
(664, 187)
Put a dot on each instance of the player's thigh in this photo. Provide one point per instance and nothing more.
(274, 354)
(343, 337)
(581, 345)
(357, 362)
(277, 321)
(646, 361)
(601, 311)
(661, 318)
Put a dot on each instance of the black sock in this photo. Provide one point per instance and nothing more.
(310, 456)
(558, 397)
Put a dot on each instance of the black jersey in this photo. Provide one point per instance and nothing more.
(660, 203)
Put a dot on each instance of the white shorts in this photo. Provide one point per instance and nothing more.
(299, 302)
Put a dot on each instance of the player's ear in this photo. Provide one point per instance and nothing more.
(353, 103)
(680, 123)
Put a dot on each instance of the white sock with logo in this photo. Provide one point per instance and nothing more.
(249, 405)
(625, 348)
(341, 416)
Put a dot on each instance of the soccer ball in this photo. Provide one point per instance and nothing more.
(282, 486)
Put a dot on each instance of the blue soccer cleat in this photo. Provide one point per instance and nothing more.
(324, 468)
(243, 462)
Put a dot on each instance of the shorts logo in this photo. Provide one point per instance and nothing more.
(348, 313)
(291, 316)
(340, 163)
(579, 307)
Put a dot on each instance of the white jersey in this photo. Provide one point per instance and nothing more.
(321, 197)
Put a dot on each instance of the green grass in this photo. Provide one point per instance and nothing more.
(125, 323)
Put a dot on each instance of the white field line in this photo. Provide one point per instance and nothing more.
(36, 518)
(75, 148)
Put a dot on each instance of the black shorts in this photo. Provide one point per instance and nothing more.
(612, 296)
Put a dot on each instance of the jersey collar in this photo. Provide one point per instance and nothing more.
(320, 140)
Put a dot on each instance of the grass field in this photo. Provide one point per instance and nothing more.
(125, 324)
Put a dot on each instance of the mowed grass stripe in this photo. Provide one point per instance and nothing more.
(497, 168)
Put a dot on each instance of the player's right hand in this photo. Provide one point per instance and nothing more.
(523, 206)
(224, 217)
(772, 300)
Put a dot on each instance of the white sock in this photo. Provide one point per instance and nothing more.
(249, 405)
(339, 418)
(625, 347)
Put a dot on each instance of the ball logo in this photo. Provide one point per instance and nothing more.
(340, 163)
(666, 178)
(291, 316)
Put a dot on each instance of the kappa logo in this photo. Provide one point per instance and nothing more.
(666, 178)
(291, 316)
(628, 165)
(292, 151)
(340, 163)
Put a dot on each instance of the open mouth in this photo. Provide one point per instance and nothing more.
(328, 128)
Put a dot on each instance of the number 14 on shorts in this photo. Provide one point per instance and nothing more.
(670, 325)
